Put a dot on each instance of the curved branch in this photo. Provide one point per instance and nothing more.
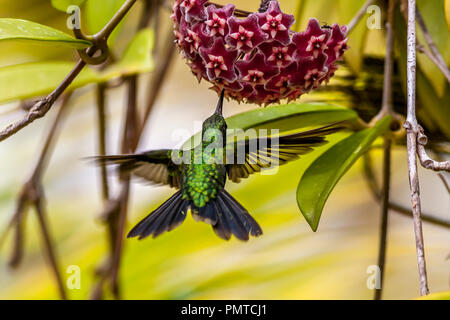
(425, 159)
(41, 107)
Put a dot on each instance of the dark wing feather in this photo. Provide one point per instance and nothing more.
(271, 153)
(154, 166)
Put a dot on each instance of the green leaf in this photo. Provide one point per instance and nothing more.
(291, 116)
(62, 5)
(99, 12)
(29, 80)
(35, 79)
(24, 30)
(325, 172)
(288, 117)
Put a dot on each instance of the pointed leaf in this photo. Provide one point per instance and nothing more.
(287, 117)
(291, 116)
(35, 79)
(325, 172)
(24, 30)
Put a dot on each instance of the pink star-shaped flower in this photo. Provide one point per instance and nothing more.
(258, 59)
(277, 53)
(245, 34)
(193, 9)
(281, 82)
(276, 23)
(313, 41)
(314, 77)
(337, 44)
(193, 37)
(310, 73)
(217, 19)
(256, 71)
(219, 61)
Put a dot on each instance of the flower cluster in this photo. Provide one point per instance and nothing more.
(257, 59)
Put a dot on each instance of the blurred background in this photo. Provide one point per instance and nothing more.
(288, 262)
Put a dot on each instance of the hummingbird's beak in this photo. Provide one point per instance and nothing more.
(220, 103)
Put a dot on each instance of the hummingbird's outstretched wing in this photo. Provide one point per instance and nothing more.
(154, 166)
(253, 154)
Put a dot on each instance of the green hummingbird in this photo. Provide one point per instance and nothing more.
(201, 181)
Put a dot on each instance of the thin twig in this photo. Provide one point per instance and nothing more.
(425, 217)
(444, 181)
(437, 57)
(120, 231)
(395, 207)
(115, 212)
(158, 80)
(359, 15)
(115, 20)
(32, 194)
(386, 109)
(17, 222)
(412, 130)
(384, 214)
(425, 159)
(101, 120)
(433, 59)
(118, 221)
(48, 243)
(41, 107)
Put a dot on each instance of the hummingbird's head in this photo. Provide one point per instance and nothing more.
(216, 121)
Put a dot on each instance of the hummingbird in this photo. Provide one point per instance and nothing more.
(201, 181)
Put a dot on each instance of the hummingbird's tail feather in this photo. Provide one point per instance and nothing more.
(230, 218)
(167, 217)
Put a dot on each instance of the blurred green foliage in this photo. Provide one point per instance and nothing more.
(288, 261)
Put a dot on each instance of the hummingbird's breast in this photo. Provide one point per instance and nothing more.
(202, 182)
